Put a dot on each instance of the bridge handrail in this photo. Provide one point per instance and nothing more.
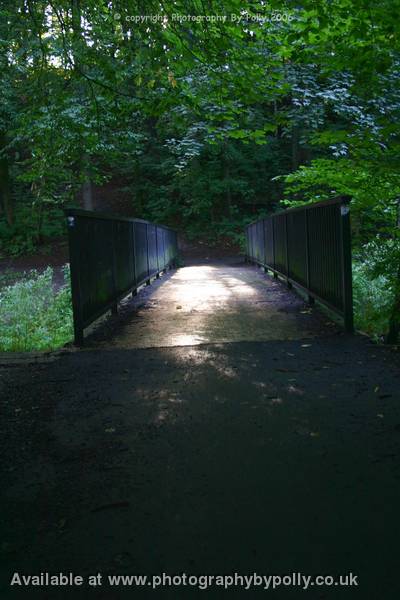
(110, 257)
(310, 246)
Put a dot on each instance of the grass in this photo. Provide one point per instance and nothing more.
(373, 300)
(33, 315)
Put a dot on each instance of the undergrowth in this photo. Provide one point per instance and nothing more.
(34, 315)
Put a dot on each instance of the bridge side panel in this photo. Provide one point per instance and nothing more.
(325, 254)
(109, 257)
(311, 247)
(297, 246)
(160, 248)
(279, 222)
(152, 248)
(259, 241)
(269, 243)
(96, 265)
(123, 246)
(142, 266)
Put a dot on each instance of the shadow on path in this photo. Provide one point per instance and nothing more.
(274, 456)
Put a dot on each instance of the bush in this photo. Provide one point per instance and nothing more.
(374, 281)
(373, 300)
(33, 316)
(24, 237)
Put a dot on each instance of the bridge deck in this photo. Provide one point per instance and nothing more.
(209, 303)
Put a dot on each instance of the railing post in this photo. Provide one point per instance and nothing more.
(114, 307)
(73, 242)
(273, 247)
(147, 252)
(176, 249)
(158, 262)
(347, 285)
(287, 252)
(134, 291)
(263, 261)
(310, 297)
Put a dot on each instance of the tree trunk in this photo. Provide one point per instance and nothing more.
(79, 44)
(5, 186)
(87, 194)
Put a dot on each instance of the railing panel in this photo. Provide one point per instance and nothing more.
(325, 254)
(109, 257)
(170, 243)
(152, 248)
(311, 247)
(123, 244)
(160, 248)
(259, 241)
(279, 224)
(96, 266)
(297, 246)
(269, 242)
(167, 245)
(141, 258)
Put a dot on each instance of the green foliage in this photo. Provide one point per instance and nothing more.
(9, 276)
(375, 280)
(372, 302)
(33, 316)
(30, 227)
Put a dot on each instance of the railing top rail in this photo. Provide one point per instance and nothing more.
(93, 214)
(336, 200)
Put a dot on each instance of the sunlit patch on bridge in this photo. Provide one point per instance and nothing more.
(214, 303)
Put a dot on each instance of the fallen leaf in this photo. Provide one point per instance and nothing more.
(178, 307)
(276, 400)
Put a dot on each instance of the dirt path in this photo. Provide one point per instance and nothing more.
(271, 456)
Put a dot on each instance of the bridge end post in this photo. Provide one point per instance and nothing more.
(74, 241)
(347, 281)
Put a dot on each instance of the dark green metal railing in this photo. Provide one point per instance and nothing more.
(110, 257)
(310, 247)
